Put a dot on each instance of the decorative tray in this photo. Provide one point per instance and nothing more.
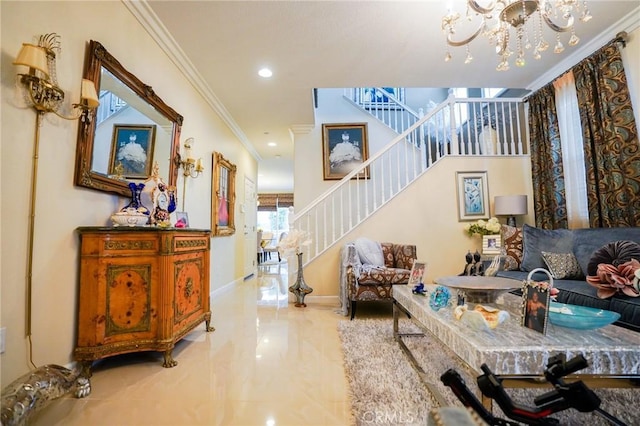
(580, 317)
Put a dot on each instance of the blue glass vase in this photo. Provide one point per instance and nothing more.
(135, 203)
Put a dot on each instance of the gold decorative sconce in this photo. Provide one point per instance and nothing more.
(190, 167)
(45, 96)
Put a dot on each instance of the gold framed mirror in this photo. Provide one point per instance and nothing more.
(223, 196)
(116, 145)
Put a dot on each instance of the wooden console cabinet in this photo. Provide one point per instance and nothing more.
(141, 289)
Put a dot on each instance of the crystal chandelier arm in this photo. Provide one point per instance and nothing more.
(555, 27)
(483, 10)
(467, 40)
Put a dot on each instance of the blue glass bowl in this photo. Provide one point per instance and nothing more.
(580, 317)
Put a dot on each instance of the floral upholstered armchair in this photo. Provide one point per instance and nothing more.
(369, 270)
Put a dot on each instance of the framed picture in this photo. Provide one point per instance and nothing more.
(223, 196)
(373, 97)
(344, 147)
(535, 305)
(491, 244)
(473, 195)
(417, 273)
(132, 150)
(182, 220)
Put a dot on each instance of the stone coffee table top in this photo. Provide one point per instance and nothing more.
(513, 349)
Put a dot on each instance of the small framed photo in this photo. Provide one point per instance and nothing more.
(491, 244)
(182, 220)
(535, 305)
(344, 147)
(132, 150)
(473, 195)
(417, 273)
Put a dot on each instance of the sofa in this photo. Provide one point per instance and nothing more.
(369, 270)
(523, 250)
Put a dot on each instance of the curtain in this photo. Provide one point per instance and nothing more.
(611, 147)
(271, 202)
(572, 151)
(546, 161)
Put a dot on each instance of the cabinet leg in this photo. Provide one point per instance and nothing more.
(207, 322)
(207, 325)
(168, 359)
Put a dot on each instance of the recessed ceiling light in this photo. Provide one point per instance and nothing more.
(265, 72)
(272, 144)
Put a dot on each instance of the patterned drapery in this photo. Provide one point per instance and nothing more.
(611, 146)
(546, 161)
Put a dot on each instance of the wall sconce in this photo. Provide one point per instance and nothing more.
(45, 96)
(511, 206)
(190, 167)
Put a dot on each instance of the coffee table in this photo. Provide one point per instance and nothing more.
(519, 354)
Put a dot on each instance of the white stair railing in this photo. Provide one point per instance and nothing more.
(392, 112)
(463, 126)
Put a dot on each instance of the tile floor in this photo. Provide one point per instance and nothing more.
(267, 363)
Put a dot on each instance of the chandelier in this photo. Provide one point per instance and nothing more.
(496, 20)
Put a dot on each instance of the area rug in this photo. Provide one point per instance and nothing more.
(386, 390)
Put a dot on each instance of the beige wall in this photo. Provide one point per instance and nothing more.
(426, 214)
(61, 206)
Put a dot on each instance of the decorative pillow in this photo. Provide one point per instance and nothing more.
(511, 247)
(614, 253)
(370, 252)
(563, 265)
(536, 240)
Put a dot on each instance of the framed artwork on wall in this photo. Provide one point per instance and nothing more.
(473, 195)
(344, 147)
(132, 150)
(223, 196)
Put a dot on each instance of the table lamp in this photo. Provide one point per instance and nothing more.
(510, 206)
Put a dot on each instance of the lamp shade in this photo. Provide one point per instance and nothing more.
(510, 205)
(88, 94)
(33, 57)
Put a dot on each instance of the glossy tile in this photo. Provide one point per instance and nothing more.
(267, 363)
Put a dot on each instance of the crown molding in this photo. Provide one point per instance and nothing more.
(141, 10)
(629, 23)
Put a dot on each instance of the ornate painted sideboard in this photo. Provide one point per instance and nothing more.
(140, 289)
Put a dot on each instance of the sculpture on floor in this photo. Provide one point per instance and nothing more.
(300, 289)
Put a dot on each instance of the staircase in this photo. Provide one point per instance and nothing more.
(458, 126)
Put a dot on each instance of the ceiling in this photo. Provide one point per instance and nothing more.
(334, 44)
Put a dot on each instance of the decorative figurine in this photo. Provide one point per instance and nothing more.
(439, 298)
(419, 289)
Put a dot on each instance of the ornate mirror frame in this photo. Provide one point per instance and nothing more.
(98, 57)
(223, 196)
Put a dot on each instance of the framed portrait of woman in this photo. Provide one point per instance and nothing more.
(223, 196)
(344, 148)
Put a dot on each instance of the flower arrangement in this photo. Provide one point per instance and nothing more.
(611, 279)
(293, 242)
(482, 227)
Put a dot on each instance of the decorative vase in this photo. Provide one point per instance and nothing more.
(135, 203)
(300, 289)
